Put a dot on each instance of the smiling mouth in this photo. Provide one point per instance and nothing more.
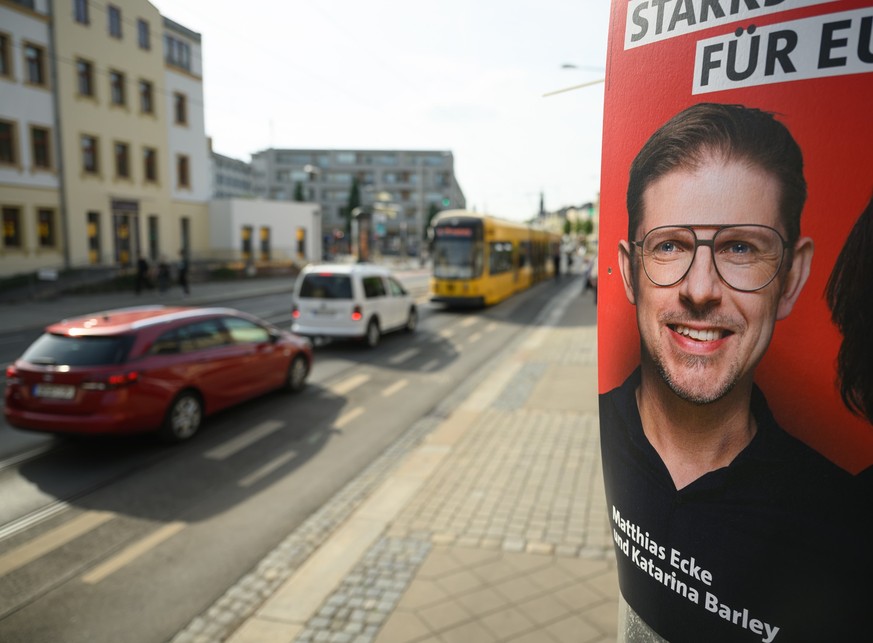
(700, 335)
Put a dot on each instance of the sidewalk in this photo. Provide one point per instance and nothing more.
(488, 524)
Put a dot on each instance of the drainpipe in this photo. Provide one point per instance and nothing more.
(59, 155)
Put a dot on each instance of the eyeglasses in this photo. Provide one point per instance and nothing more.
(746, 257)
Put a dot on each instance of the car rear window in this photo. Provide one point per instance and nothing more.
(326, 286)
(62, 350)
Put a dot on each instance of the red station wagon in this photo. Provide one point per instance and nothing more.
(149, 368)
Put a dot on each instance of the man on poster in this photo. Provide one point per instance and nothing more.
(726, 528)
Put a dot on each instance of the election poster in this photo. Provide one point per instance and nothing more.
(735, 319)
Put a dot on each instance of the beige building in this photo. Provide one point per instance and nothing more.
(122, 101)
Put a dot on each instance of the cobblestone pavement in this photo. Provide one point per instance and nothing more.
(504, 538)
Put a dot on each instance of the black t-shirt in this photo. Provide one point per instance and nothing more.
(772, 548)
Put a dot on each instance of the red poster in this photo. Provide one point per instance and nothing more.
(707, 104)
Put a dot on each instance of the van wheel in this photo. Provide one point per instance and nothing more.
(412, 320)
(373, 333)
(183, 418)
(295, 380)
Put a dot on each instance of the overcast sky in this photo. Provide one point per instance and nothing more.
(461, 75)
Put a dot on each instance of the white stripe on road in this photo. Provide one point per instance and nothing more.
(267, 469)
(350, 384)
(52, 540)
(468, 321)
(475, 337)
(404, 356)
(394, 388)
(237, 444)
(132, 552)
(431, 365)
(345, 418)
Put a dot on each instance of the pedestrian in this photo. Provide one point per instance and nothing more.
(556, 263)
(183, 272)
(163, 275)
(142, 274)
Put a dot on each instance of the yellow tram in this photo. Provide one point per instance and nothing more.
(479, 260)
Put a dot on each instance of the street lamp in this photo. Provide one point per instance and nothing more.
(580, 86)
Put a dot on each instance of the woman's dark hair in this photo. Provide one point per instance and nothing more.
(850, 299)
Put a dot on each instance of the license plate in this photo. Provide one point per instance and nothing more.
(54, 391)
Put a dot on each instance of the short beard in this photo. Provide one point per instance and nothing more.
(694, 397)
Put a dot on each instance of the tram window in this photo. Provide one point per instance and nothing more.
(500, 257)
(457, 258)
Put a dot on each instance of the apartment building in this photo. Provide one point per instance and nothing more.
(30, 203)
(401, 188)
(120, 96)
(231, 178)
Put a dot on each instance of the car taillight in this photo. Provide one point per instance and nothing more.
(113, 381)
(357, 315)
(12, 375)
(295, 312)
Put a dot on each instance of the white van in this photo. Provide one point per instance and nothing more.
(351, 301)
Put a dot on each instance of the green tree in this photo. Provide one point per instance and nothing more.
(298, 192)
(568, 226)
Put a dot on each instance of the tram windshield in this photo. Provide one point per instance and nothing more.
(457, 258)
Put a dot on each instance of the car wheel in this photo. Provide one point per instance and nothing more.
(297, 373)
(373, 334)
(183, 417)
(412, 320)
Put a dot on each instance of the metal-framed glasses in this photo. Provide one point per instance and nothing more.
(746, 257)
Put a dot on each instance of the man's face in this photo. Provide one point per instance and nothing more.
(701, 336)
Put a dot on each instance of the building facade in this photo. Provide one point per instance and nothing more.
(231, 178)
(116, 90)
(401, 188)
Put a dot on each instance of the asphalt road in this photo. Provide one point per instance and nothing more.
(128, 540)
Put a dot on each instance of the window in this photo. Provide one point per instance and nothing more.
(150, 164)
(116, 85)
(46, 228)
(500, 257)
(146, 97)
(8, 144)
(122, 160)
(243, 331)
(93, 237)
(85, 77)
(180, 108)
(80, 12)
(40, 147)
(12, 227)
(89, 154)
(374, 287)
(177, 52)
(113, 13)
(326, 286)
(144, 37)
(34, 58)
(5, 60)
(183, 179)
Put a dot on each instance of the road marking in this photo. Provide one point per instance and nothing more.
(51, 540)
(475, 337)
(446, 334)
(431, 365)
(394, 388)
(237, 444)
(26, 455)
(132, 552)
(345, 418)
(267, 469)
(404, 356)
(468, 321)
(490, 327)
(348, 385)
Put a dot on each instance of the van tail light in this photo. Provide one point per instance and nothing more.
(112, 382)
(295, 312)
(12, 375)
(357, 315)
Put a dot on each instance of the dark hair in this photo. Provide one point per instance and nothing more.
(730, 132)
(849, 298)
